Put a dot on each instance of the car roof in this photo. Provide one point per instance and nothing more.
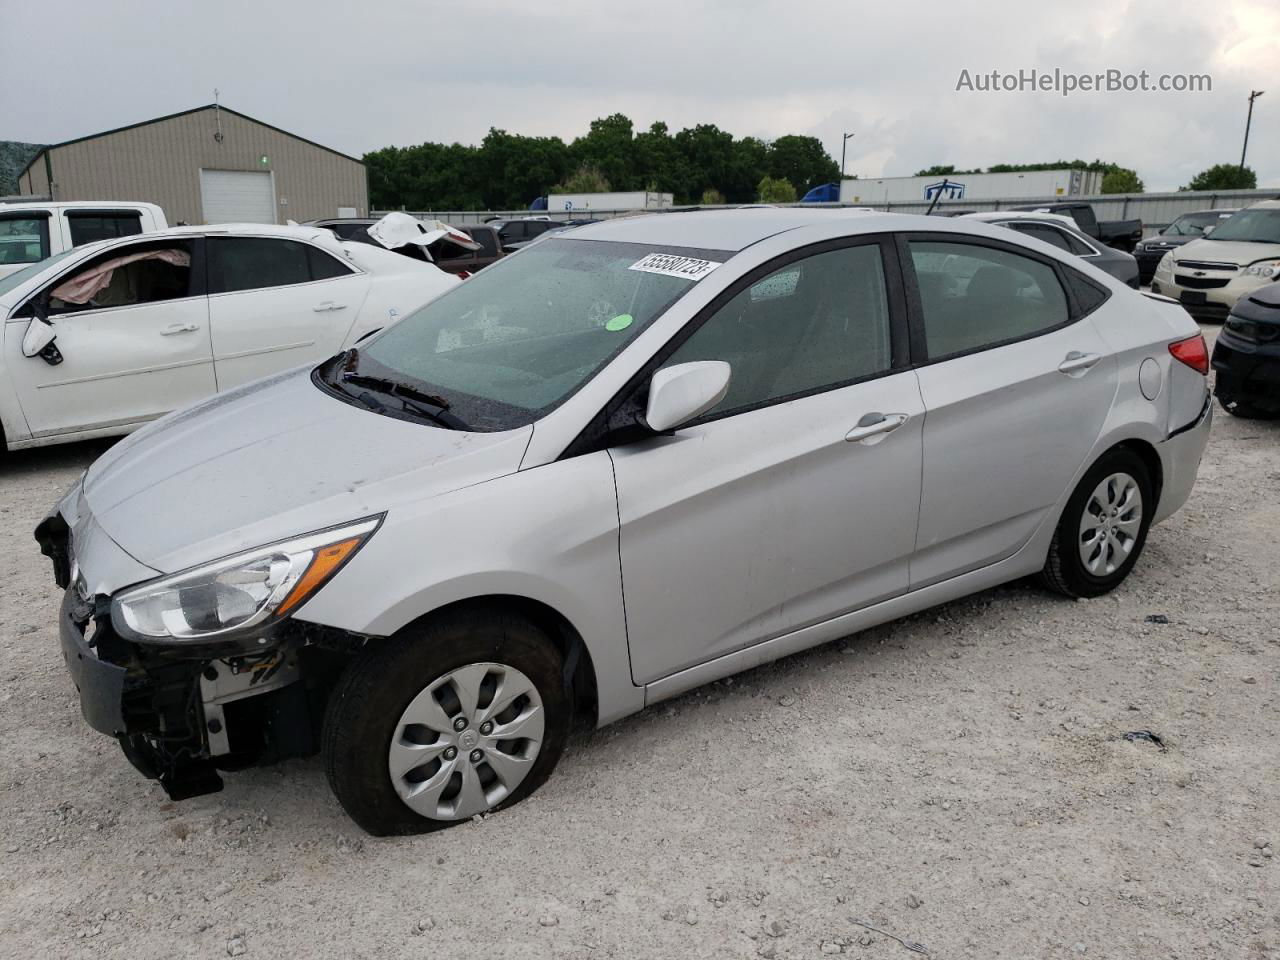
(92, 204)
(988, 216)
(725, 229)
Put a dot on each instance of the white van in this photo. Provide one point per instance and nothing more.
(31, 231)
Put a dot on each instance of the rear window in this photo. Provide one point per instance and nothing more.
(86, 227)
(488, 246)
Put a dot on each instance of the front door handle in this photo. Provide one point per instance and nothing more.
(327, 306)
(875, 425)
(173, 328)
(1077, 362)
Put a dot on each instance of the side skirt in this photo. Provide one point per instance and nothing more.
(1023, 563)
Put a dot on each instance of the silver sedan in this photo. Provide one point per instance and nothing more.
(620, 464)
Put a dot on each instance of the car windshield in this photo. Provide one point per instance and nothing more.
(1258, 225)
(15, 280)
(1191, 224)
(511, 343)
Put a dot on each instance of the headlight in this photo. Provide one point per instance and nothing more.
(240, 592)
(1267, 269)
(1166, 262)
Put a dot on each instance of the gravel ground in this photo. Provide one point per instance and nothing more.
(957, 779)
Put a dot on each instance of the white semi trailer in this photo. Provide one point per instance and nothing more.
(1031, 184)
(564, 204)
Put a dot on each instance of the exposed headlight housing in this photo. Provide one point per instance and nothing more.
(240, 592)
(1266, 269)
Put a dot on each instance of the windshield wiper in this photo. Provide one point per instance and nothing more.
(411, 399)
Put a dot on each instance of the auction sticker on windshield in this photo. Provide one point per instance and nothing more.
(672, 266)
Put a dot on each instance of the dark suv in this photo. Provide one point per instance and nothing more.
(516, 233)
(1246, 358)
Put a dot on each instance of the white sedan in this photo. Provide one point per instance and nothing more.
(106, 337)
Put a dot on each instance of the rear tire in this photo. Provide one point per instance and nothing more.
(1103, 528)
(390, 738)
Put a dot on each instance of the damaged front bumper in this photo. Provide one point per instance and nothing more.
(182, 712)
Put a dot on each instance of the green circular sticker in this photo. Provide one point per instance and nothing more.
(620, 322)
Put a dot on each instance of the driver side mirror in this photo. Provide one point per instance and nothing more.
(678, 394)
(38, 340)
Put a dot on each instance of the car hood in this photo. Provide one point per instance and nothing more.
(271, 460)
(1239, 252)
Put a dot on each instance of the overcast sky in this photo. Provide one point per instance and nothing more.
(357, 76)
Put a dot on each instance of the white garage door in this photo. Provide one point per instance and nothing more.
(237, 196)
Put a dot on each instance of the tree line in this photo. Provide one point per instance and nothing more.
(1118, 179)
(507, 171)
(700, 164)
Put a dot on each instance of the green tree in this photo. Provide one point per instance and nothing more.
(711, 197)
(1121, 180)
(1224, 176)
(940, 170)
(773, 190)
(586, 179)
(658, 160)
(608, 147)
(707, 152)
(803, 161)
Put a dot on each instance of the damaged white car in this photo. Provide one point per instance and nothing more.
(106, 337)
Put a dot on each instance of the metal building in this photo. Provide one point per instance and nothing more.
(207, 165)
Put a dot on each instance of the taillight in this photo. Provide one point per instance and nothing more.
(1193, 352)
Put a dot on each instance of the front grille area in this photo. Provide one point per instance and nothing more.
(1200, 283)
(1206, 265)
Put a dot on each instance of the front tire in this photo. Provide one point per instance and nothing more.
(462, 715)
(1103, 528)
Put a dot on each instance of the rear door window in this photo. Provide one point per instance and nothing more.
(90, 225)
(973, 297)
(255, 263)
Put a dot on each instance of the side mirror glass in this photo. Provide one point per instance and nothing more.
(678, 394)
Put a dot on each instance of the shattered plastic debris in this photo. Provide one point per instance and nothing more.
(1157, 618)
(1133, 736)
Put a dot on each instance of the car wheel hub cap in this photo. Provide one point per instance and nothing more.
(449, 774)
(1110, 524)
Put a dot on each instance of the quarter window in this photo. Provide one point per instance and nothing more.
(973, 297)
(105, 225)
(323, 265)
(257, 263)
(812, 325)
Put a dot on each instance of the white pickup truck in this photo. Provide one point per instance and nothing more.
(31, 231)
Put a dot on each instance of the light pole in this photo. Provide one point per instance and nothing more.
(845, 141)
(1253, 95)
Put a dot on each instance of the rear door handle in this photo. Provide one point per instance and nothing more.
(173, 328)
(327, 306)
(875, 425)
(1077, 362)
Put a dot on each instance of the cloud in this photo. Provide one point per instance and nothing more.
(358, 77)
